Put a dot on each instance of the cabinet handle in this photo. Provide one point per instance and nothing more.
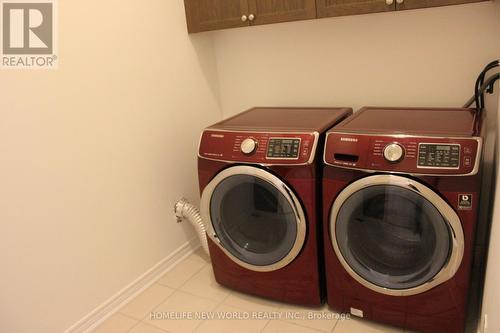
(389, 2)
(244, 18)
(400, 1)
(251, 17)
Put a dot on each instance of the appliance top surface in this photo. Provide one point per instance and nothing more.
(445, 122)
(284, 119)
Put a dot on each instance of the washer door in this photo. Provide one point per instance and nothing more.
(396, 236)
(254, 218)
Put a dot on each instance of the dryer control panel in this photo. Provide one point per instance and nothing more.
(405, 154)
(259, 147)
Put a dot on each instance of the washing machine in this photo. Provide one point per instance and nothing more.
(259, 175)
(401, 191)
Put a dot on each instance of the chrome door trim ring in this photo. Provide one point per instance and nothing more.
(281, 187)
(449, 215)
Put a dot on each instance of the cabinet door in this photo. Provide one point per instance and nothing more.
(351, 7)
(272, 11)
(203, 15)
(412, 4)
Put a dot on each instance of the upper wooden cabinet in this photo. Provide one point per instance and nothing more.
(413, 4)
(203, 15)
(273, 11)
(328, 8)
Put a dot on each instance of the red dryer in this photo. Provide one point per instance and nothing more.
(259, 175)
(401, 193)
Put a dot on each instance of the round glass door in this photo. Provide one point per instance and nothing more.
(395, 235)
(254, 217)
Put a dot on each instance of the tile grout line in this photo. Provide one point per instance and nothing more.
(137, 322)
(154, 307)
(142, 321)
(133, 326)
(178, 289)
(189, 278)
(216, 306)
(175, 289)
(277, 308)
(204, 297)
(126, 315)
(335, 326)
(263, 328)
(161, 329)
(308, 327)
(298, 325)
(311, 328)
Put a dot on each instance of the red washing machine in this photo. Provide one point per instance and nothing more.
(401, 190)
(259, 175)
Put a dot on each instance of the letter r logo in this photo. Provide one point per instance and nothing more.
(27, 28)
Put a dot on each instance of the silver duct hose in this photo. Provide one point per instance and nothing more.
(183, 209)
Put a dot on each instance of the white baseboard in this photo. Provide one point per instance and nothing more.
(117, 301)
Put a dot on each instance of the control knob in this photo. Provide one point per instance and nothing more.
(248, 146)
(393, 153)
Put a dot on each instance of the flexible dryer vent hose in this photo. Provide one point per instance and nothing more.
(183, 209)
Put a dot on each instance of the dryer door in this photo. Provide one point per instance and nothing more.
(254, 217)
(395, 235)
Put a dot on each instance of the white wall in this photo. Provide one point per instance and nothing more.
(427, 57)
(94, 155)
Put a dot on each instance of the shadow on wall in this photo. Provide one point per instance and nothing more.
(203, 44)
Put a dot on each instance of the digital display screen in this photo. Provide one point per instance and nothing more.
(284, 148)
(438, 156)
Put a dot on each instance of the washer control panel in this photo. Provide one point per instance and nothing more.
(431, 155)
(405, 154)
(258, 147)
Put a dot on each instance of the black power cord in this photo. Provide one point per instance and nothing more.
(480, 81)
(485, 86)
(478, 97)
(479, 88)
(488, 85)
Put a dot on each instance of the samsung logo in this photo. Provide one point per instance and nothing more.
(349, 139)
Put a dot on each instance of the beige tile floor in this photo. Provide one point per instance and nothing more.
(190, 288)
